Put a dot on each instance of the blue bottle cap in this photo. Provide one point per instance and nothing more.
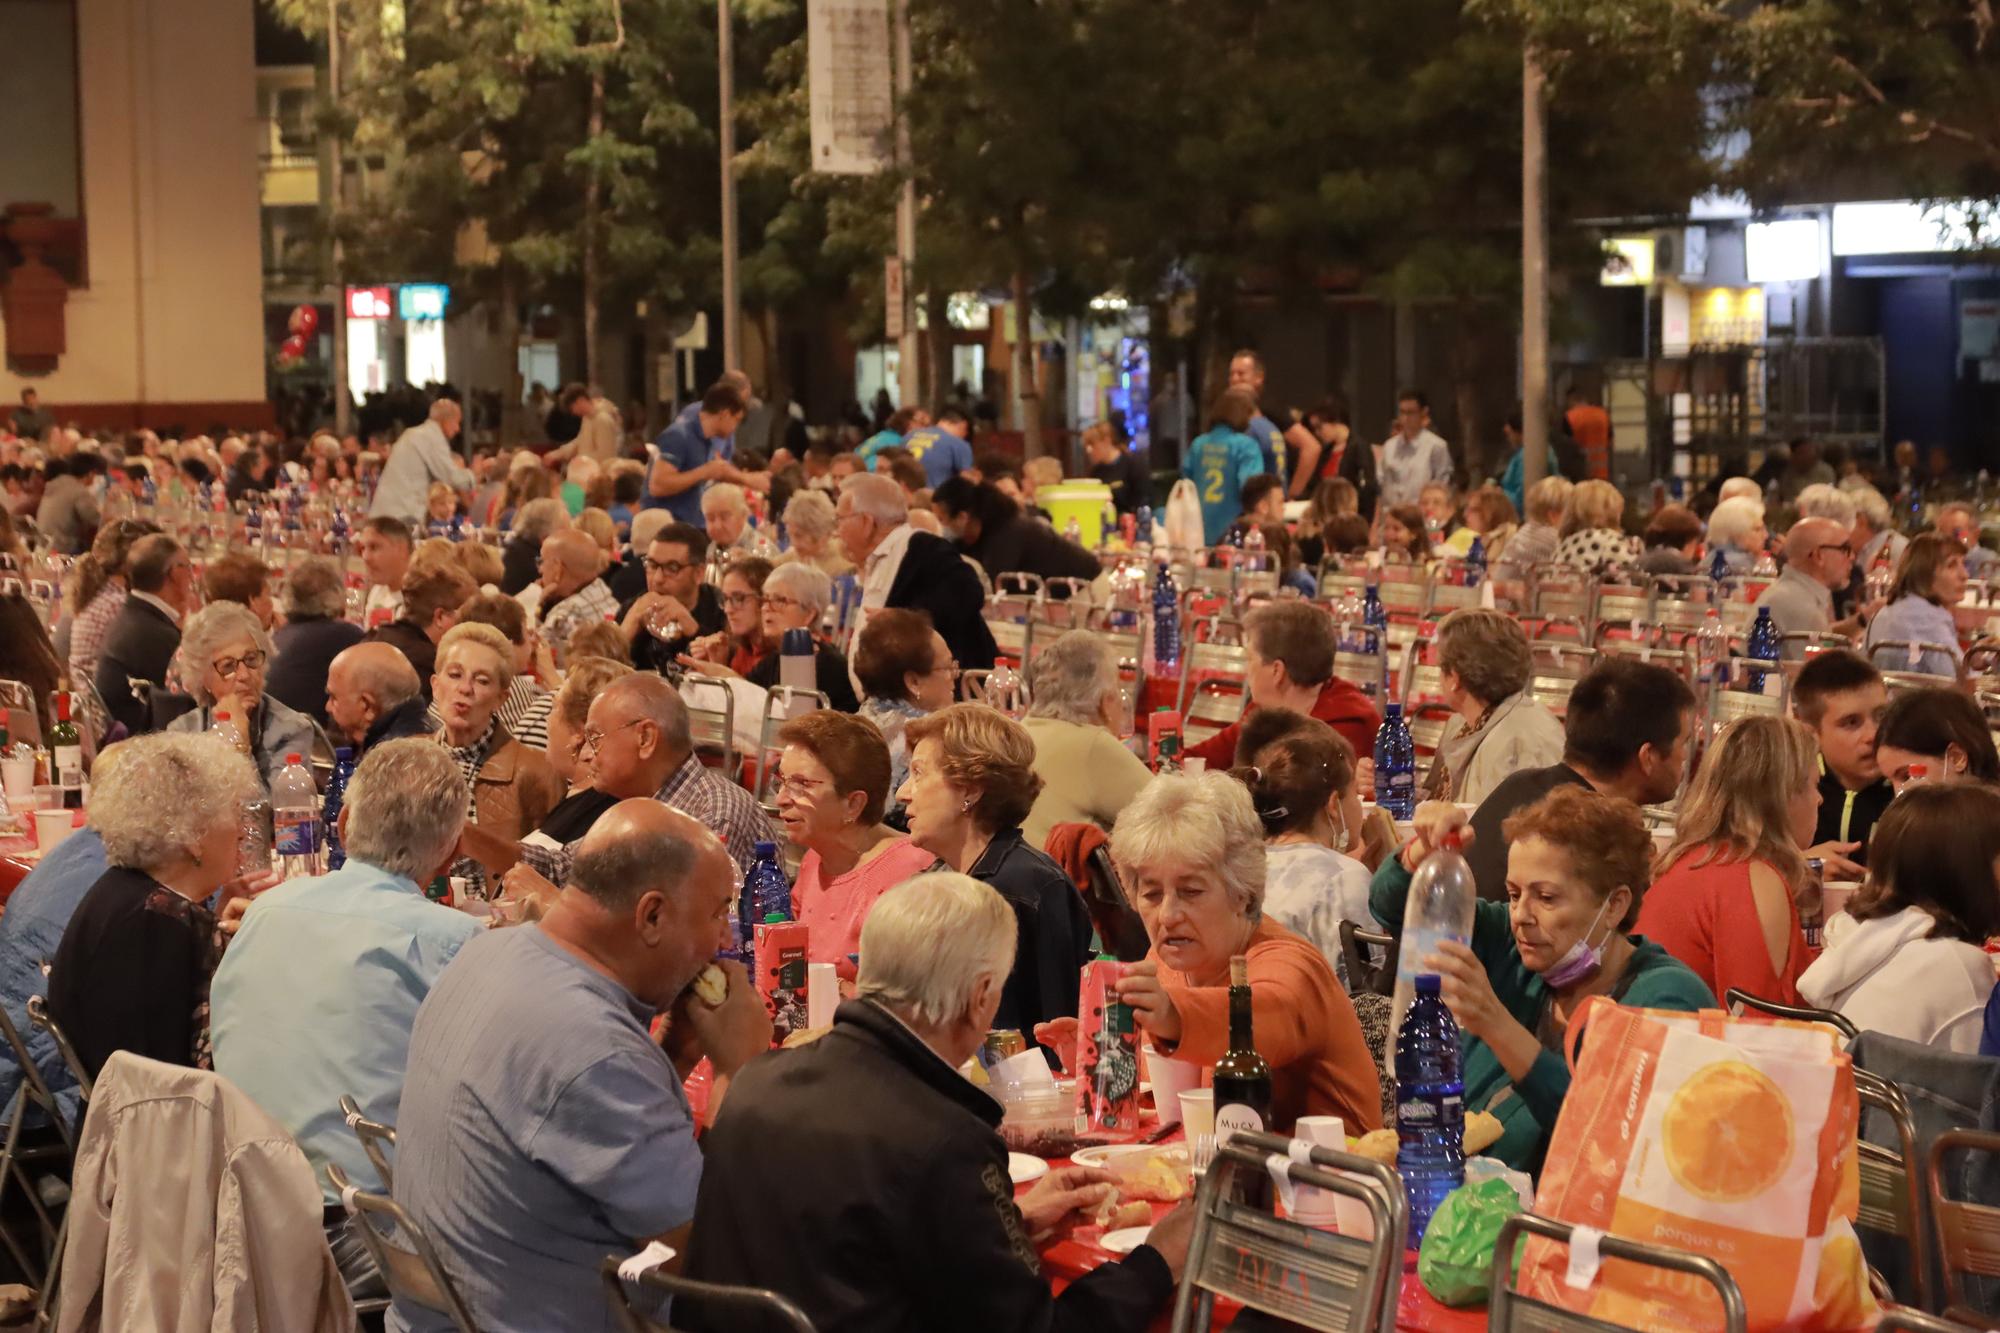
(1427, 983)
(343, 753)
(764, 848)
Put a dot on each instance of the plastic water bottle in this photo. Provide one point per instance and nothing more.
(1166, 620)
(1439, 908)
(1762, 644)
(295, 819)
(766, 893)
(1395, 764)
(1253, 550)
(225, 726)
(1430, 1105)
(1373, 613)
(1718, 568)
(1144, 538)
(1475, 563)
(336, 796)
(1711, 648)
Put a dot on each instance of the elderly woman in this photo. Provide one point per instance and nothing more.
(1577, 865)
(314, 600)
(1736, 530)
(971, 783)
(513, 787)
(832, 788)
(133, 968)
(1726, 899)
(222, 657)
(507, 615)
(1535, 541)
(742, 643)
(809, 520)
(906, 672)
(1929, 583)
(241, 577)
(1593, 530)
(1087, 774)
(1940, 731)
(576, 812)
(1190, 852)
(522, 555)
(1484, 666)
(1672, 541)
(795, 597)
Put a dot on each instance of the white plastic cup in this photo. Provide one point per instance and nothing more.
(1833, 897)
(822, 994)
(1170, 1078)
(1198, 1112)
(51, 827)
(1311, 1205)
(1194, 763)
(17, 776)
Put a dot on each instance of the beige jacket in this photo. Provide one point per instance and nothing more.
(214, 1183)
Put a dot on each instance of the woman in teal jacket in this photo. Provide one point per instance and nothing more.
(1577, 864)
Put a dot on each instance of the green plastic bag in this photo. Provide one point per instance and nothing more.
(1455, 1261)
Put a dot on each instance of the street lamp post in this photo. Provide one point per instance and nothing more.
(732, 314)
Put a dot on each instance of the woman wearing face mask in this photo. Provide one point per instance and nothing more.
(1577, 865)
(1940, 732)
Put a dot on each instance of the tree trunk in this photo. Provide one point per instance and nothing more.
(511, 409)
(936, 379)
(592, 193)
(1027, 393)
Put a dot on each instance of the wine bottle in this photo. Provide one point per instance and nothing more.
(66, 754)
(1243, 1084)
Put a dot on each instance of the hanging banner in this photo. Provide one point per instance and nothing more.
(849, 81)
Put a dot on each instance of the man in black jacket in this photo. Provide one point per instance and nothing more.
(903, 567)
(143, 639)
(861, 1176)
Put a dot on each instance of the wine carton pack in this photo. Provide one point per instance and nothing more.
(1107, 1048)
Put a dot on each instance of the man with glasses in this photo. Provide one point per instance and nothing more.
(1818, 559)
(675, 596)
(144, 638)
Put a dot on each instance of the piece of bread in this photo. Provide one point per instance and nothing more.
(1378, 1146)
(1482, 1131)
(711, 986)
(1134, 1214)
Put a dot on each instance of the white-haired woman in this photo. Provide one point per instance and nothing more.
(809, 520)
(795, 597)
(1485, 665)
(223, 654)
(1190, 854)
(1736, 529)
(1087, 774)
(133, 968)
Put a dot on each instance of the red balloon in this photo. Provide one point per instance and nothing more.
(304, 320)
(292, 349)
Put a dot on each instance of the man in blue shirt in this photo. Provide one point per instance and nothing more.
(542, 1127)
(1220, 460)
(692, 453)
(942, 448)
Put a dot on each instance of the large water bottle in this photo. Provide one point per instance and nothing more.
(1395, 764)
(1373, 613)
(766, 893)
(1711, 648)
(1430, 1106)
(1253, 550)
(1166, 621)
(1439, 908)
(1762, 644)
(336, 797)
(295, 819)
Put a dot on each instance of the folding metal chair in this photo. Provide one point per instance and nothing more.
(1902, 682)
(1508, 1309)
(1316, 1279)
(14, 1159)
(377, 1140)
(1902, 1319)
(717, 1301)
(38, 1014)
(414, 1274)
(1891, 1199)
(1361, 658)
(714, 729)
(1739, 1000)
(1904, 654)
(1968, 1233)
(782, 703)
(1370, 956)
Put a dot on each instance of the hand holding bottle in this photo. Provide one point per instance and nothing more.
(1466, 989)
(1432, 821)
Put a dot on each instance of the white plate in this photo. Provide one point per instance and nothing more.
(1103, 1153)
(1022, 1169)
(1126, 1240)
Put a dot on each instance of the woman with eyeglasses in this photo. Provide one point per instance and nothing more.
(224, 651)
(832, 790)
(740, 645)
(795, 597)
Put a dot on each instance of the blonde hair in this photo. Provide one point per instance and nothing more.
(1043, 471)
(1547, 500)
(479, 634)
(1594, 504)
(482, 562)
(1200, 822)
(1735, 809)
(597, 525)
(927, 944)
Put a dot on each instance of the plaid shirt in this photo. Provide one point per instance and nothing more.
(93, 626)
(701, 793)
(592, 602)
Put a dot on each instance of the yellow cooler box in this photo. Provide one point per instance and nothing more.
(1082, 500)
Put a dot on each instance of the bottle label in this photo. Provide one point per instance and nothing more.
(297, 834)
(69, 765)
(1236, 1118)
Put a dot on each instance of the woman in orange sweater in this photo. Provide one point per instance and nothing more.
(1190, 854)
(1725, 900)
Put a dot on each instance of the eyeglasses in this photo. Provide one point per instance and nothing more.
(784, 603)
(1845, 548)
(732, 600)
(947, 667)
(593, 739)
(799, 788)
(671, 568)
(228, 665)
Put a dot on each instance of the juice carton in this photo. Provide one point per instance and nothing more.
(780, 974)
(1107, 1048)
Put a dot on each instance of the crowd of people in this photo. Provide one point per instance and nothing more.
(520, 719)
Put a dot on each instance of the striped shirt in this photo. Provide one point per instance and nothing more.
(588, 604)
(93, 626)
(702, 794)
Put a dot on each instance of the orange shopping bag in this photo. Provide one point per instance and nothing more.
(1724, 1137)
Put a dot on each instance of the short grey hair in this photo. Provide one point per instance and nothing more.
(406, 807)
(1548, 500)
(1200, 822)
(166, 793)
(651, 697)
(1734, 517)
(444, 409)
(808, 584)
(618, 868)
(1823, 500)
(206, 631)
(727, 495)
(1872, 505)
(927, 943)
(536, 519)
(810, 513)
(1488, 652)
(314, 590)
(1745, 488)
(1068, 679)
(878, 497)
(646, 525)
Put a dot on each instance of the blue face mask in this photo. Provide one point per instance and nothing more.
(1583, 959)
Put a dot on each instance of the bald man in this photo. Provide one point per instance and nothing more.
(373, 695)
(1819, 557)
(572, 593)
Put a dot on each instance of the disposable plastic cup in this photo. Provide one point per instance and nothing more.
(1194, 763)
(1170, 1078)
(17, 776)
(1198, 1112)
(51, 827)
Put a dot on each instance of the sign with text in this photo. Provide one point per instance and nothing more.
(892, 298)
(849, 79)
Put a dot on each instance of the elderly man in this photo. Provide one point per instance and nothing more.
(432, 594)
(1290, 647)
(384, 545)
(1959, 519)
(871, 1135)
(691, 453)
(1818, 559)
(542, 1127)
(572, 593)
(902, 567)
(674, 587)
(313, 599)
(422, 455)
(316, 995)
(373, 695)
(147, 633)
(1877, 544)
(727, 516)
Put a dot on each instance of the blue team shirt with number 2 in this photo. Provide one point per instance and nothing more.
(1218, 463)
